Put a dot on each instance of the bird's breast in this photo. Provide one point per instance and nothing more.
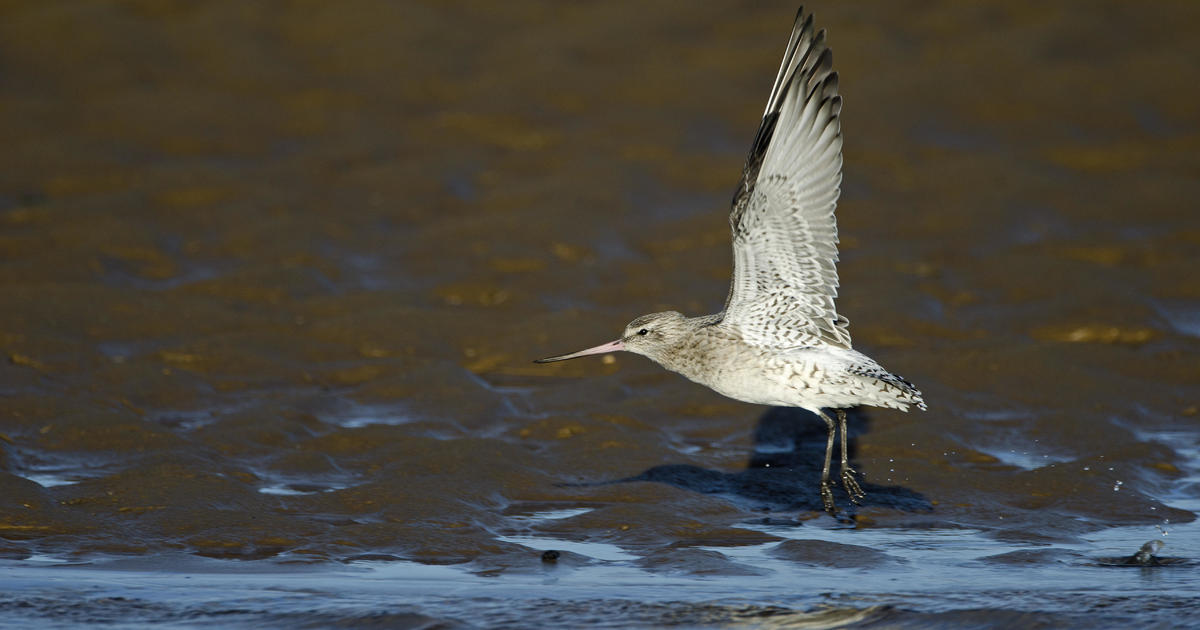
(741, 371)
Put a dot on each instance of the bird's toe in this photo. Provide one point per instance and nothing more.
(827, 496)
(854, 490)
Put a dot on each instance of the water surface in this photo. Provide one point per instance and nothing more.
(273, 275)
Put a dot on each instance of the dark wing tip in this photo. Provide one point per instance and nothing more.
(822, 68)
(808, 68)
(802, 43)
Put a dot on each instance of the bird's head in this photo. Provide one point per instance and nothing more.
(649, 335)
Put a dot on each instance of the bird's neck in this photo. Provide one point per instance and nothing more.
(687, 354)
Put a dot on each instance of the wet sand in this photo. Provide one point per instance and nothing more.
(273, 276)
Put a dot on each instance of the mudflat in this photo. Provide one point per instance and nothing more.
(273, 275)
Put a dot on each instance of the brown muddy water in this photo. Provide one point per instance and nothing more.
(273, 274)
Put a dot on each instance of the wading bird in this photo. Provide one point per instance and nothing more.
(779, 341)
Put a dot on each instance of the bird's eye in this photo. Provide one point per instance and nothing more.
(643, 331)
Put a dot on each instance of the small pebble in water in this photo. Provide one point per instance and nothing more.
(550, 556)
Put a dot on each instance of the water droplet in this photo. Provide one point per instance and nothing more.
(1087, 467)
(1145, 555)
(1117, 485)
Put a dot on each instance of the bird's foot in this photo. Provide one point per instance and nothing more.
(851, 485)
(827, 496)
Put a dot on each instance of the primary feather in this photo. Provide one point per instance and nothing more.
(784, 232)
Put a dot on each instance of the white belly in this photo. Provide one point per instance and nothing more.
(811, 379)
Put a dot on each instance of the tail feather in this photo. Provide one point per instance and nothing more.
(906, 392)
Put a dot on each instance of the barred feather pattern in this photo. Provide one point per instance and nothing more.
(784, 232)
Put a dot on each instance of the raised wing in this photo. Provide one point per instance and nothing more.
(784, 232)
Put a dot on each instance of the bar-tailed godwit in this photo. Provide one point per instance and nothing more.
(779, 341)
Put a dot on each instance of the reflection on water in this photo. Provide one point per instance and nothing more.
(273, 276)
(863, 574)
(598, 551)
(549, 515)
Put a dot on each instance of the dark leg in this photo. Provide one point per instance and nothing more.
(826, 486)
(848, 480)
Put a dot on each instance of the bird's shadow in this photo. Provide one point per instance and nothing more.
(784, 470)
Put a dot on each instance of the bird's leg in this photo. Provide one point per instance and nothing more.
(848, 480)
(826, 486)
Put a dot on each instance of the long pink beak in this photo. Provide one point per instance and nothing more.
(611, 346)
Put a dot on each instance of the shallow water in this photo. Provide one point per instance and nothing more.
(273, 275)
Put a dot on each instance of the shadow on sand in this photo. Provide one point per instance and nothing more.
(785, 468)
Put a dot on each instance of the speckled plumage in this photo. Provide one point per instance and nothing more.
(779, 340)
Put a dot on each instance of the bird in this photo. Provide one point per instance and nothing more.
(779, 340)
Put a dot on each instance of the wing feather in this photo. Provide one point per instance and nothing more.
(784, 232)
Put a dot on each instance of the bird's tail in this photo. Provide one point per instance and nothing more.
(904, 392)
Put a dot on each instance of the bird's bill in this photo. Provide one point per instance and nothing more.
(611, 346)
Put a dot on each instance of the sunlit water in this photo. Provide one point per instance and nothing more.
(935, 571)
